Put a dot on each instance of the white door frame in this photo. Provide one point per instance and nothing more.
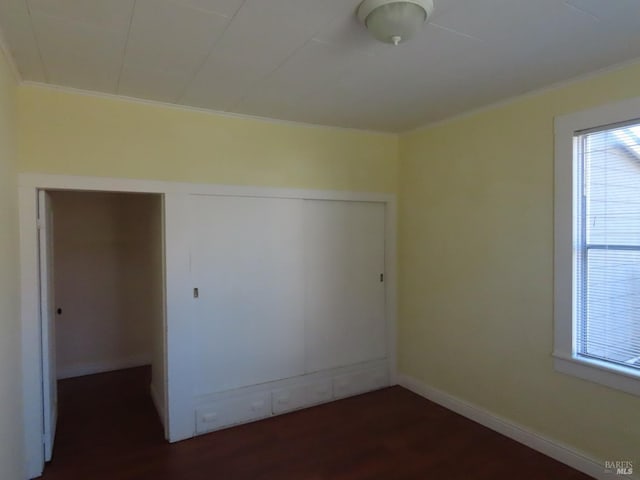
(179, 381)
(29, 186)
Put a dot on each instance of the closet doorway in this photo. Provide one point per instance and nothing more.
(102, 302)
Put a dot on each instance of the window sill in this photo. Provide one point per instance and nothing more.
(613, 376)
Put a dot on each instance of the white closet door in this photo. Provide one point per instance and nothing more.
(247, 263)
(345, 297)
(47, 317)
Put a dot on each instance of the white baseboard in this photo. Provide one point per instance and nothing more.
(552, 448)
(155, 397)
(80, 370)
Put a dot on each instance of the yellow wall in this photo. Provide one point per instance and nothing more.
(69, 133)
(476, 219)
(476, 269)
(11, 462)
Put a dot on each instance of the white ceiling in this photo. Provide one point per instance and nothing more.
(310, 60)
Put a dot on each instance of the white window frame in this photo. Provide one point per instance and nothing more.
(566, 359)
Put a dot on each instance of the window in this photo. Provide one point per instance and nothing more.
(608, 247)
(597, 243)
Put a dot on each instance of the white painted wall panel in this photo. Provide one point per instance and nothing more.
(345, 299)
(180, 328)
(247, 260)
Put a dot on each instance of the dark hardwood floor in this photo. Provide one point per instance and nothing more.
(108, 429)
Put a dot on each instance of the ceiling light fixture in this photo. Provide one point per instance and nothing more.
(394, 21)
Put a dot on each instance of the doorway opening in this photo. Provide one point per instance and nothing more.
(102, 287)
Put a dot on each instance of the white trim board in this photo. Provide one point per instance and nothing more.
(112, 184)
(83, 369)
(33, 411)
(545, 445)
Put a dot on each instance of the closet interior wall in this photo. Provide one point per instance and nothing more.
(108, 267)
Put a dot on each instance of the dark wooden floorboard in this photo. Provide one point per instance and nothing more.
(108, 429)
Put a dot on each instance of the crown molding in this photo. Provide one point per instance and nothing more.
(207, 111)
(522, 96)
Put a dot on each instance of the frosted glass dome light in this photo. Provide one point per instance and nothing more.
(394, 21)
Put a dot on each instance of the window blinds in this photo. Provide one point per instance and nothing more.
(608, 245)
